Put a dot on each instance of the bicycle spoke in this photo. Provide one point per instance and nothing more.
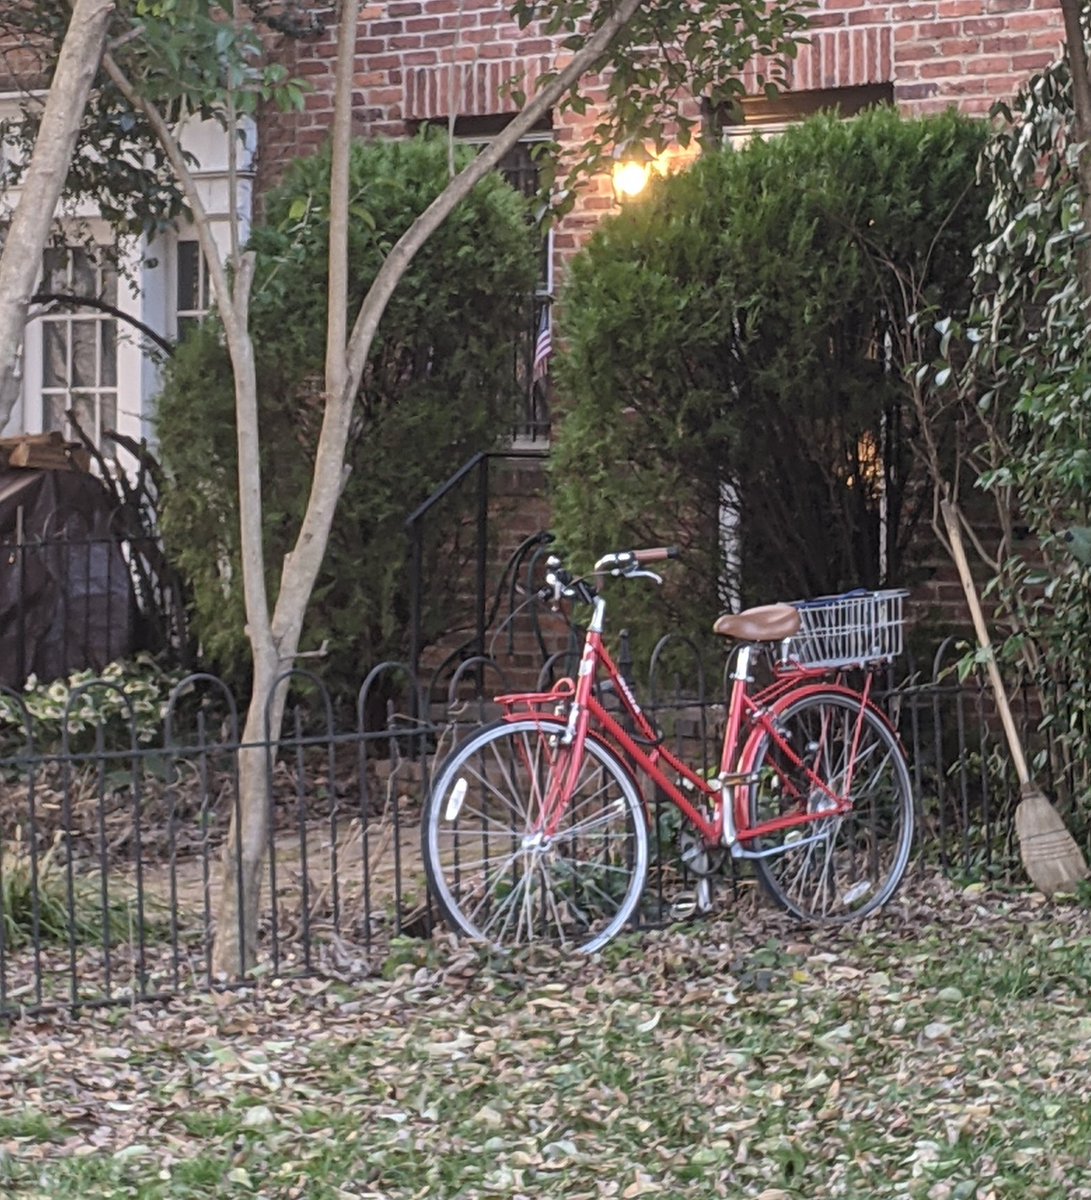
(501, 876)
(515, 790)
(488, 885)
(858, 862)
(568, 832)
(511, 903)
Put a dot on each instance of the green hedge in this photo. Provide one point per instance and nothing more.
(439, 386)
(740, 313)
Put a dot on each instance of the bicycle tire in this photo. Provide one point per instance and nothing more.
(499, 881)
(857, 866)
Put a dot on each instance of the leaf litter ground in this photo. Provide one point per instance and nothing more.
(940, 1051)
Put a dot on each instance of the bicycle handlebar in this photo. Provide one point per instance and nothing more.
(625, 563)
(656, 555)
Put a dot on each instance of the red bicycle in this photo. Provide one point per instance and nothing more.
(536, 828)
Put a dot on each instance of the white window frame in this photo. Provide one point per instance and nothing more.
(97, 391)
(179, 315)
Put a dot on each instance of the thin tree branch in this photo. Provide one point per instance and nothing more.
(340, 167)
(77, 301)
(1081, 96)
(232, 306)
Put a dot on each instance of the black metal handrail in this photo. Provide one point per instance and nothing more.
(476, 467)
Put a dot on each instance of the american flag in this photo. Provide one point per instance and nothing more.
(543, 348)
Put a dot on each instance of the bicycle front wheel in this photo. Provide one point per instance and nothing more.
(500, 874)
(842, 867)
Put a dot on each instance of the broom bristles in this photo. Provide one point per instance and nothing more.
(1052, 859)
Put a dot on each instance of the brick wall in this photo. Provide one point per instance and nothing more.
(418, 59)
(22, 66)
(970, 52)
(937, 53)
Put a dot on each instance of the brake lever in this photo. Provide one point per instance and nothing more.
(551, 594)
(641, 573)
(557, 588)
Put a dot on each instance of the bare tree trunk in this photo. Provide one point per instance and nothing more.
(77, 65)
(243, 857)
(244, 850)
(235, 947)
(301, 567)
(275, 642)
(1081, 97)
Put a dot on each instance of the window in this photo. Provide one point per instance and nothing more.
(520, 168)
(770, 115)
(191, 287)
(79, 346)
(531, 420)
(532, 423)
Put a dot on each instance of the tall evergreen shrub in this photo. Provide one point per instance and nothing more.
(730, 378)
(438, 387)
(1022, 374)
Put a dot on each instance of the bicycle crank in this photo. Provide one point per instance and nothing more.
(698, 858)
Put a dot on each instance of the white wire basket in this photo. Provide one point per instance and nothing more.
(846, 631)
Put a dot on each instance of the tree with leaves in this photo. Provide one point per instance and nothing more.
(73, 77)
(737, 314)
(643, 60)
(1009, 383)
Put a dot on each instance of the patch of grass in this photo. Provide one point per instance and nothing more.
(939, 1057)
(1015, 969)
(408, 952)
(36, 896)
(30, 1124)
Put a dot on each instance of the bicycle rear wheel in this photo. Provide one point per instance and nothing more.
(844, 866)
(500, 877)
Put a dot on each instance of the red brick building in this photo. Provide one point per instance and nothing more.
(428, 60)
(424, 60)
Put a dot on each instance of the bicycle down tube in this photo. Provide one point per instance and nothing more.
(537, 826)
(728, 827)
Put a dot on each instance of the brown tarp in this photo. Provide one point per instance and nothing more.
(66, 600)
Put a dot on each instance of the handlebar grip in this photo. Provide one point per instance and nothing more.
(657, 554)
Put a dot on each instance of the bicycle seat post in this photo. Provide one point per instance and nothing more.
(584, 681)
(742, 664)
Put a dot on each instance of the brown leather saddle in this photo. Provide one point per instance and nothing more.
(766, 623)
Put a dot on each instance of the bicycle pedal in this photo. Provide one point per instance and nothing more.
(684, 906)
(856, 892)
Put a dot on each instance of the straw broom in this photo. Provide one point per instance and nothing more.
(1049, 852)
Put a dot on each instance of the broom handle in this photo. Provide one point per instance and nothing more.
(958, 553)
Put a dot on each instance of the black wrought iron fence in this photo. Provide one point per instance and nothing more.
(112, 831)
(70, 604)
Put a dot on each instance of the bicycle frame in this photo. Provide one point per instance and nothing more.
(724, 819)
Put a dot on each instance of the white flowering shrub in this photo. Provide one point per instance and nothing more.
(123, 699)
